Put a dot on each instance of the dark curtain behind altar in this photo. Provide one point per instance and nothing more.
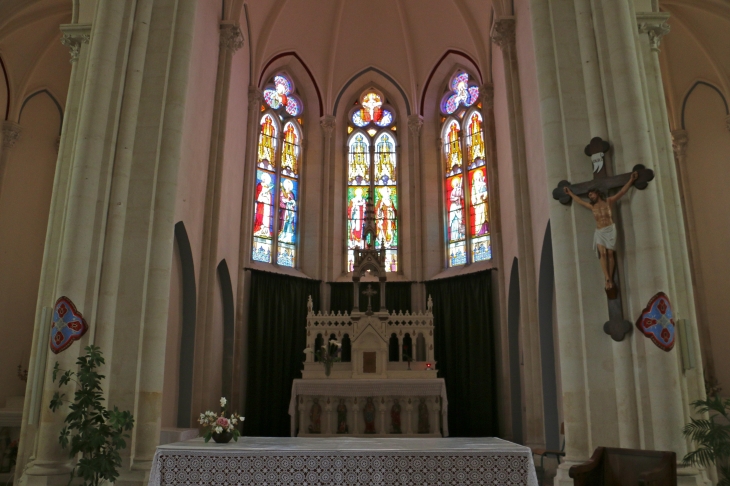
(464, 352)
(277, 322)
(397, 296)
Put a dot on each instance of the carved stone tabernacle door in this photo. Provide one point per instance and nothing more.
(368, 362)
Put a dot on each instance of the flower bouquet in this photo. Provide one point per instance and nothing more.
(327, 354)
(221, 428)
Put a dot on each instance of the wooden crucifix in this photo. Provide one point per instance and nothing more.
(605, 237)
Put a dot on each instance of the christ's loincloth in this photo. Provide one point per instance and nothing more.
(606, 237)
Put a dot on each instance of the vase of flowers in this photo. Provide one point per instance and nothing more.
(219, 427)
(327, 354)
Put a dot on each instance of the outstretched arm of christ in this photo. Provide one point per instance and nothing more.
(625, 189)
(576, 198)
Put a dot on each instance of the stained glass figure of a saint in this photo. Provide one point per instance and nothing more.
(267, 143)
(385, 160)
(290, 151)
(359, 160)
(479, 198)
(356, 216)
(452, 148)
(287, 211)
(262, 220)
(476, 140)
(456, 209)
(386, 215)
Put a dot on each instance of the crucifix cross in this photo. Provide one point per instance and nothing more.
(597, 188)
(369, 292)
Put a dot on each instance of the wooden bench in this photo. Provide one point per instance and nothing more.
(626, 467)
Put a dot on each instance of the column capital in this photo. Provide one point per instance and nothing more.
(327, 122)
(11, 134)
(231, 36)
(679, 142)
(73, 35)
(415, 122)
(486, 95)
(654, 24)
(255, 96)
(503, 32)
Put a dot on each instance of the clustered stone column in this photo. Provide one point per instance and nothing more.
(503, 35)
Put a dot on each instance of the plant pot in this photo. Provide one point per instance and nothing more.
(223, 437)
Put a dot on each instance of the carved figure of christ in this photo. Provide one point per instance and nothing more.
(605, 236)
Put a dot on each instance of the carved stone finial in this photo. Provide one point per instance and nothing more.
(255, 96)
(429, 304)
(655, 26)
(310, 304)
(11, 134)
(679, 142)
(327, 123)
(415, 122)
(503, 32)
(73, 42)
(231, 36)
(486, 95)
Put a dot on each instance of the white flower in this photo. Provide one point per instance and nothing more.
(234, 421)
(223, 401)
(308, 350)
(219, 430)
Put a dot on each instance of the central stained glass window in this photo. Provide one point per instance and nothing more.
(278, 163)
(372, 175)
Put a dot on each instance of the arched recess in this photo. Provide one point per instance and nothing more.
(711, 86)
(55, 102)
(546, 289)
(229, 316)
(513, 335)
(4, 91)
(187, 334)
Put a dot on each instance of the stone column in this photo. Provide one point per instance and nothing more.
(680, 138)
(327, 124)
(207, 353)
(503, 35)
(11, 134)
(415, 122)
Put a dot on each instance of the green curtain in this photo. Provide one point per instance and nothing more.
(397, 296)
(464, 352)
(277, 322)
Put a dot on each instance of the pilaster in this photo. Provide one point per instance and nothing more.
(327, 124)
(415, 122)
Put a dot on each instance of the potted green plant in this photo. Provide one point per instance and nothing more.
(92, 432)
(712, 436)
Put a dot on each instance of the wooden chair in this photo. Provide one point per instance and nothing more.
(626, 467)
(543, 453)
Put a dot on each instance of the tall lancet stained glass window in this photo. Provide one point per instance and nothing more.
(278, 168)
(372, 174)
(466, 179)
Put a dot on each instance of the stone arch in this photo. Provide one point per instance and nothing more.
(385, 75)
(546, 289)
(229, 317)
(513, 333)
(187, 333)
(4, 91)
(709, 85)
(50, 95)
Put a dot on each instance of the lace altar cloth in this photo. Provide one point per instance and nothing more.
(365, 461)
(370, 388)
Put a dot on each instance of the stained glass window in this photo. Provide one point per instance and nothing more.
(372, 175)
(276, 198)
(466, 182)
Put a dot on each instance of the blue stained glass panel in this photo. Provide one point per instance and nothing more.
(386, 119)
(261, 250)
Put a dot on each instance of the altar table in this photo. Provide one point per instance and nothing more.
(344, 460)
(384, 391)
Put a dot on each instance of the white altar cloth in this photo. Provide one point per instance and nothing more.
(314, 461)
(369, 388)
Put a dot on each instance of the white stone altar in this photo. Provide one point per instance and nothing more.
(280, 460)
(354, 394)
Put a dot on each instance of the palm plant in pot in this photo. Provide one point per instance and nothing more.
(712, 435)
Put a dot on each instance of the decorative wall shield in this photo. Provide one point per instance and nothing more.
(68, 325)
(657, 321)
